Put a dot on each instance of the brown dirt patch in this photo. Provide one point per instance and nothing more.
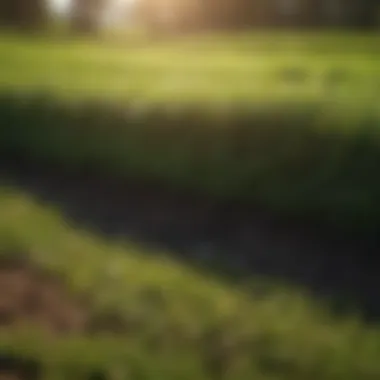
(31, 295)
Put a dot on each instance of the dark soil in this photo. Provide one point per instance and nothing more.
(233, 239)
(34, 296)
(31, 295)
(17, 368)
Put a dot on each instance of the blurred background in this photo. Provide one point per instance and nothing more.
(189, 189)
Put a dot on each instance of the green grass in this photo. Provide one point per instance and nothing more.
(288, 120)
(199, 324)
(299, 135)
(317, 161)
(210, 69)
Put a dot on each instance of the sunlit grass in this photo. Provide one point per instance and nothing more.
(279, 334)
(208, 69)
(329, 82)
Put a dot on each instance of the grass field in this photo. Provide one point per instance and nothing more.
(288, 121)
(152, 318)
(284, 120)
(305, 105)
(206, 69)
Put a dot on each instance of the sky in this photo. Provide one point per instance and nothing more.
(112, 15)
(59, 5)
(62, 5)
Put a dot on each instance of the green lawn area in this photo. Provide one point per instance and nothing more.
(209, 69)
(304, 140)
(178, 323)
(286, 120)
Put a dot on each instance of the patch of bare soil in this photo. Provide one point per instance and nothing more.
(30, 295)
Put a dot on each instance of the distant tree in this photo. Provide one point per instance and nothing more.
(23, 14)
(237, 14)
(86, 15)
(168, 16)
(365, 14)
(356, 14)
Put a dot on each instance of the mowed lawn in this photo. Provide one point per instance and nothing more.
(176, 322)
(213, 69)
(156, 319)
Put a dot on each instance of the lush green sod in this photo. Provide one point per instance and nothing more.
(283, 120)
(176, 323)
(287, 121)
(209, 69)
(316, 162)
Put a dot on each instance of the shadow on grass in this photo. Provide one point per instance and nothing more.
(236, 240)
(230, 239)
(13, 367)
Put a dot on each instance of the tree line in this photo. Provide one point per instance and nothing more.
(35, 14)
(196, 15)
(238, 14)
